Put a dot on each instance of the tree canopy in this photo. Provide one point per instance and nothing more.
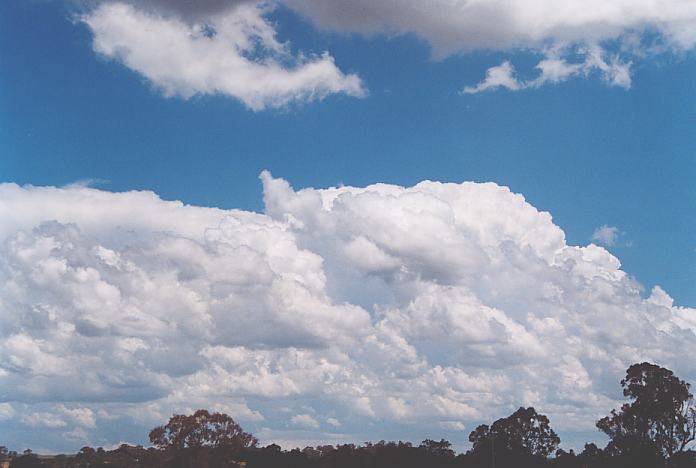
(661, 416)
(201, 429)
(652, 430)
(524, 432)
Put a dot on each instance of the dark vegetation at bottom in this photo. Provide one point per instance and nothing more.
(379, 455)
(652, 430)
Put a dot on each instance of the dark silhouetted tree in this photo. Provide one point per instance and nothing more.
(525, 432)
(661, 417)
(567, 459)
(201, 429)
(441, 448)
(592, 455)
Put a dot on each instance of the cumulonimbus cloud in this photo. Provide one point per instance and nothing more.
(233, 53)
(435, 307)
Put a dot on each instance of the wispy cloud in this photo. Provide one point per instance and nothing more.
(554, 69)
(607, 235)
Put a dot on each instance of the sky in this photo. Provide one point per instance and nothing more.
(340, 221)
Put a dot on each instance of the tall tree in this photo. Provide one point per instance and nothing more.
(661, 416)
(201, 429)
(524, 432)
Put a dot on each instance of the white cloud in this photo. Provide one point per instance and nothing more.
(636, 28)
(607, 235)
(229, 48)
(452, 425)
(489, 24)
(501, 76)
(81, 416)
(507, 24)
(554, 69)
(305, 421)
(233, 53)
(615, 72)
(78, 434)
(6, 411)
(433, 307)
(39, 420)
(333, 422)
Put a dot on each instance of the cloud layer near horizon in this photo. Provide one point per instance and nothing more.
(336, 313)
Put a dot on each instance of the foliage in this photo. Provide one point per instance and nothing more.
(441, 448)
(652, 431)
(201, 429)
(661, 418)
(524, 432)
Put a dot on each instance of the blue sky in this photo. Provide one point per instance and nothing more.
(590, 153)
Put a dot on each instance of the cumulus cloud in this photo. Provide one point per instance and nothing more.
(6, 411)
(436, 307)
(189, 11)
(639, 28)
(500, 76)
(606, 235)
(82, 416)
(234, 53)
(504, 24)
(305, 421)
(333, 422)
(555, 69)
(39, 420)
(228, 47)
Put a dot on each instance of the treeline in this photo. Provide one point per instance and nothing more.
(652, 430)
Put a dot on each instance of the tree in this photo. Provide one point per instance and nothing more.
(660, 418)
(201, 429)
(27, 460)
(524, 432)
(592, 455)
(441, 448)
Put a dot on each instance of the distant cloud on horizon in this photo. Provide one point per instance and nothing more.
(336, 311)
